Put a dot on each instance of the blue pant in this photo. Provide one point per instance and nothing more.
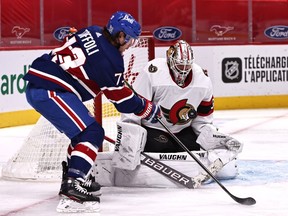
(70, 116)
(63, 109)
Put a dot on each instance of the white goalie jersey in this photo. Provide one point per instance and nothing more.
(178, 104)
(183, 103)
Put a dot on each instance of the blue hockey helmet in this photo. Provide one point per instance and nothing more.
(124, 22)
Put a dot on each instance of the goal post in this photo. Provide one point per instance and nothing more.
(43, 150)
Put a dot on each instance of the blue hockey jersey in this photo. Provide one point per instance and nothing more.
(85, 64)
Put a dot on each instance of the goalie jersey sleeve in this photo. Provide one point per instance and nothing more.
(85, 64)
(156, 84)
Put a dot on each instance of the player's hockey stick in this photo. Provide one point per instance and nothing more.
(244, 201)
(164, 169)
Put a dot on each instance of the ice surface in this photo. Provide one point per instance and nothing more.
(263, 167)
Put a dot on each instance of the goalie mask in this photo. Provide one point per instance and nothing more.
(180, 59)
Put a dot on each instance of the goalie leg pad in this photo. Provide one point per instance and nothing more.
(104, 172)
(230, 168)
(214, 168)
(130, 142)
(222, 164)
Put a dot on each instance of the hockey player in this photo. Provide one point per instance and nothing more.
(184, 93)
(89, 61)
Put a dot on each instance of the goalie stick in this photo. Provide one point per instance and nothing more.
(243, 201)
(167, 171)
(164, 169)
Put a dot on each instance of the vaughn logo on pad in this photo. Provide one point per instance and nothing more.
(172, 157)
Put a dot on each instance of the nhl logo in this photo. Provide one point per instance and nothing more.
(231, 70)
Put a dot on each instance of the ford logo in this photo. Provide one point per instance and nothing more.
(167, 33)
(277, 32)
(60, 33)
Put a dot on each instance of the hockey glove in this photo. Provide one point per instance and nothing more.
(150, 111)
(211, 138)
(233, 144)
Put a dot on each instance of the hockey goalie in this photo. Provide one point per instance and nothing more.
(183, 91)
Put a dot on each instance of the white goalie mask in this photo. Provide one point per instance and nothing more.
(180, 59)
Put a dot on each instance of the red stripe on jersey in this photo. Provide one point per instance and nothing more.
(49, 78)
(67, 109)
(86, 150)
(118, 95)
(206, 108)
(69, 150)
(93, 86)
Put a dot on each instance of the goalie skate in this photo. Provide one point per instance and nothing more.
(75, 198)
(90, 185)
(214, 168)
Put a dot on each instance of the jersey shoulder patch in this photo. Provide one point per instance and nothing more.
(152, 68)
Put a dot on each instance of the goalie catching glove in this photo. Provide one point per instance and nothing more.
(150, 111)
(211, 138)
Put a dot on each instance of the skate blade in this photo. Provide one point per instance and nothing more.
(70, 206)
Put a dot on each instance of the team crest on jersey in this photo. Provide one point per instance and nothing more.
(161, 139)
(180, 113)
(152, 68)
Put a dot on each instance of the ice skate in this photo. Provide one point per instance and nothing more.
(75, 198)
(214, 168)
(90, 185)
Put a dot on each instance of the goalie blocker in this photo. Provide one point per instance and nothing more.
(123, 166)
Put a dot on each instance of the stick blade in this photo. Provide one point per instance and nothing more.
(245, 201)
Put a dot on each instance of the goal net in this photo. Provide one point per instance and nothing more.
(42, 152)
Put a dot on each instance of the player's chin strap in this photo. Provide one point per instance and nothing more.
(244, 201)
